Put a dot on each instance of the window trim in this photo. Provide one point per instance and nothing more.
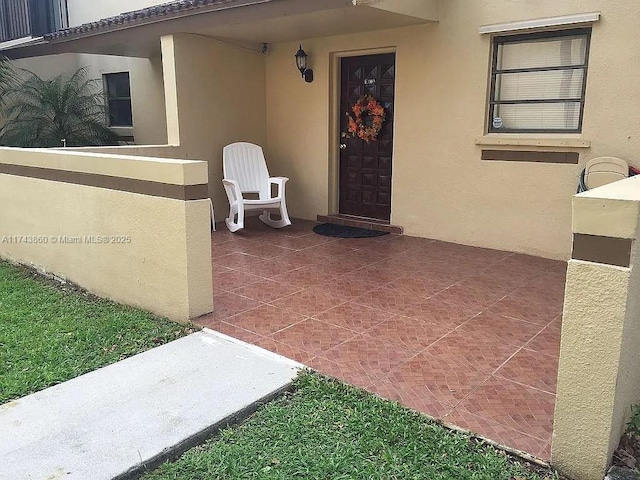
(108, 99)
(561, 22)
(533, 37)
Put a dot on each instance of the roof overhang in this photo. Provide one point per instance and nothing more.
(246, 23)
(22, 42)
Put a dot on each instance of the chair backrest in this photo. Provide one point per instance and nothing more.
(602, 170)
(245, 163)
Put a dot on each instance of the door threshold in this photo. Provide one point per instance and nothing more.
(362, 219)
(359, 222)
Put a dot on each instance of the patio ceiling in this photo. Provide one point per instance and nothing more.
(248, 26)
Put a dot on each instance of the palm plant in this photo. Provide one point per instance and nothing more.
(49, 113)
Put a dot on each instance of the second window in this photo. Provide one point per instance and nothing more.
(118, 93)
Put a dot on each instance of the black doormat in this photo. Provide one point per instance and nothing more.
(342, 231)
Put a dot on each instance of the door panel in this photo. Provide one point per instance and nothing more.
(365, 168)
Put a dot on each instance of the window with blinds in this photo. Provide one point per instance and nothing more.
(538, 82)
(31, 18)
(118, 93)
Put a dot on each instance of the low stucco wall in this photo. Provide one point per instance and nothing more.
(132, 229)
(599, 370)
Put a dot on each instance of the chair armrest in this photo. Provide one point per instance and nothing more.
(279, 181)
(232, 188)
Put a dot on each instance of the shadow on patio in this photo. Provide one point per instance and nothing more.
(467, 335)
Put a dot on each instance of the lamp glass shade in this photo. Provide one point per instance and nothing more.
(301, 60)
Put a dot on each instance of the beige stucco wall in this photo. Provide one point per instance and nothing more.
(85, 11)
(147, 88)
(629, 372)
(162, 262)
(441, 188)
(591, 351)
(599, 369)
(215, 96)
(49, 66)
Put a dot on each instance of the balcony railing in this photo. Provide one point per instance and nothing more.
(31, 18)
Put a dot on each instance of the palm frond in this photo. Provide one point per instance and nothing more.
(5, 69)
(8, 78)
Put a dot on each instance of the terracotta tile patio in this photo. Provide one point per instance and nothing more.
(467, 335)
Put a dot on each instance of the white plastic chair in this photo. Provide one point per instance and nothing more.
(602, 170)
(245, 171)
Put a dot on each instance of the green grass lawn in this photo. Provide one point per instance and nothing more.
(327, 430)
(50, 333)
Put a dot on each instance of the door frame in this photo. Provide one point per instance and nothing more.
(334, 121)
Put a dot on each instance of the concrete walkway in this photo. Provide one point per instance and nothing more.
(112, 422)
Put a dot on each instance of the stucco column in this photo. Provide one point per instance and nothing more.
(599, 372)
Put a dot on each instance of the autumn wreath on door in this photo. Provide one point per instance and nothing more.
(366, 119)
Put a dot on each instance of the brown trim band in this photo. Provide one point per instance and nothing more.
(143, 187)
(531, 156)
(607, 250)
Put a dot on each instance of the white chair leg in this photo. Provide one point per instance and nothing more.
(232, 224)
(284, 217)
(213, 216)
(266, 218)
(284, 214)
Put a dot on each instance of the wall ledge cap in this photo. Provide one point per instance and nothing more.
(509, 140)
(612, 210)
(161, 170)
(627, 190)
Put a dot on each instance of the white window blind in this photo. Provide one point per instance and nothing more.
(538, 82)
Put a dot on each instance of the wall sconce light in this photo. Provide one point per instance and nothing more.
(301, 63)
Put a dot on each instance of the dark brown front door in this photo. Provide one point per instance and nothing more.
(365, 168)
